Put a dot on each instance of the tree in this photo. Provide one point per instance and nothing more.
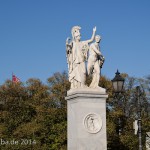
(37, 113)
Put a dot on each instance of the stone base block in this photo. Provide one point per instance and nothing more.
(86, 119)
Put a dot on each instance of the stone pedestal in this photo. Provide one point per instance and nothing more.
(86, 119)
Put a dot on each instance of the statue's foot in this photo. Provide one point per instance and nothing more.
(97, 88)
(101, 89)
(84, 86)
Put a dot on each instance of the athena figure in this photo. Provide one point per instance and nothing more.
(76, 52)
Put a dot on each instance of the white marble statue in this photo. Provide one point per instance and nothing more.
(76, 52)
(95, 62)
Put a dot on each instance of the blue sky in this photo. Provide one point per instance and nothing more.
(33, 35)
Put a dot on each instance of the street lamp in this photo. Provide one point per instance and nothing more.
(118, 83)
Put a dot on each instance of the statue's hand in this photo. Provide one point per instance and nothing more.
(67, 40)
(94, 29)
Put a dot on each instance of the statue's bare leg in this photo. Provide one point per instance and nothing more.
(90, 66)
(92, 85)
(97, 72)
(96, 76)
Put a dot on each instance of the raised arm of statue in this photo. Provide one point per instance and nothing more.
(93, 36)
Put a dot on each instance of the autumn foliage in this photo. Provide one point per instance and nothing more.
(37, 113)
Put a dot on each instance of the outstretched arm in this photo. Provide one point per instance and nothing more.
(93, 35)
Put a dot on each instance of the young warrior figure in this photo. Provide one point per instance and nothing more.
(95, 62)
(76, 55)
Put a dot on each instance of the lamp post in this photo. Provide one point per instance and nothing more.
(118, 83)
(139, 117)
